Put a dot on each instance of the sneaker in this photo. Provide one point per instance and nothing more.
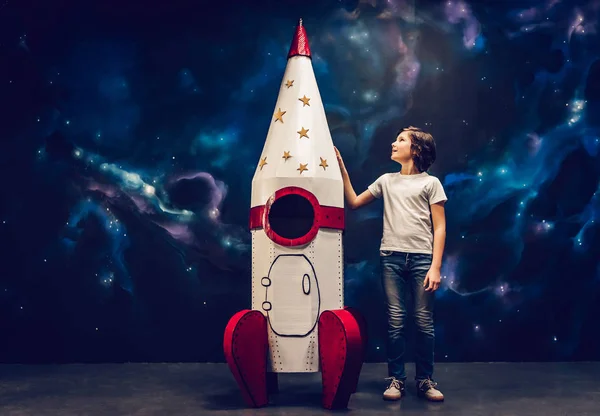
(395, 390)
(427, 390)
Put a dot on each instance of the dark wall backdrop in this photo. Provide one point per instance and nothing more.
(130, 134)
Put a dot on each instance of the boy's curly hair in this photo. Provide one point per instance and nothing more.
(422, 147)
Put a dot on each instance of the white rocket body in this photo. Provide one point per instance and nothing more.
(297, 259)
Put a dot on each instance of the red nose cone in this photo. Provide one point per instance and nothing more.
(299, 43)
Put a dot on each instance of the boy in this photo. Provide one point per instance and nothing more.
(414, 233)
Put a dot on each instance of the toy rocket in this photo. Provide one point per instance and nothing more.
(298, 322)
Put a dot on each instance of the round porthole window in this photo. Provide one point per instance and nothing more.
(291, 216)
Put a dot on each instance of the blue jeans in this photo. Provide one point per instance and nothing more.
(403, 274)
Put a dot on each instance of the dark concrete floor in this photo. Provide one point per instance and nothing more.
(198, 389)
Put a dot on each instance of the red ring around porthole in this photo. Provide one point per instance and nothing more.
(323, 217)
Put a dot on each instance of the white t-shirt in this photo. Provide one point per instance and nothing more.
(407, 223)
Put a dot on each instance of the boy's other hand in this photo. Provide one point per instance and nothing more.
(432, 280)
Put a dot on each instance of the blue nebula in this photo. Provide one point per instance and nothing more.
(117, 240)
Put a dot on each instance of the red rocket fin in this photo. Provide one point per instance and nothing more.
(362, 326)
(341, 353)
(246, 346)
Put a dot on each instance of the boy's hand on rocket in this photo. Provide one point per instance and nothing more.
(339, 158)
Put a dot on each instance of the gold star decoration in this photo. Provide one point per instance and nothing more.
(286, 155)
(303, 132)
(323, 163)
(279, 115)
(305, 101)
(289, 83)
(302, 167)
(262, 162)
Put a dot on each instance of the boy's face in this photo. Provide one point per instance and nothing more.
(401, 148)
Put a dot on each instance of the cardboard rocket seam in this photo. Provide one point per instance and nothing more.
(296, 222)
